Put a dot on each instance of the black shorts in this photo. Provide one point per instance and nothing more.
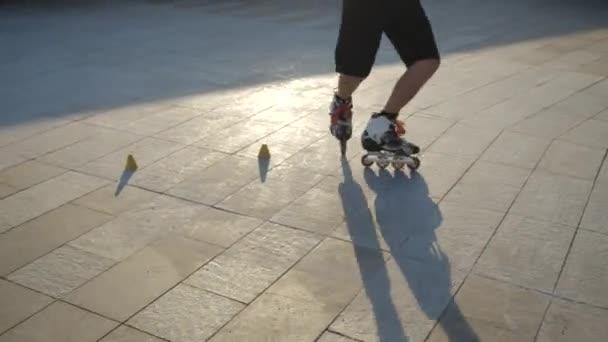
(404, 22)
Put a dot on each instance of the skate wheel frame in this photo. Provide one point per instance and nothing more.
(383, 159)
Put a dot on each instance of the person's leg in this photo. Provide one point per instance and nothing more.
(410, 32)
(358, 41)
(413, 38)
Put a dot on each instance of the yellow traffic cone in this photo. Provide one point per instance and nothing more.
(131, 164)
(264, 152)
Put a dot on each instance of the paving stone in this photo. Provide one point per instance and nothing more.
(263, 199)
(273, 246)
(27, 174)
(118, 118)
(603, 175)
(175, 168)
(323, 156)
(516, 149)
(318, 211)
(43, 197)
(460, 234)
(10, 157)
(553, 198)
(596, 216)
(463, 141)
(423, 131)
(567, 321)
(96, 146)
(137, 281)
(441, 171)
(135, 229)
(61, 271)
(592, 133)
(401, 302)
(585, 275)
(6, 190)
(45, 233)
(218, 181)
(127, 334)
(160, 120)
(230, 140)
(199, 127)
(186, 314)
(60, 322)
(572, 60)
(106, 200)
(145, 152)
(602, 116)
(572, 160)
(332, 337)
(54, 139)
(234, 278)
(11, 134)
(18, 303)
(526, 252)
(489, 186)
(488, 310)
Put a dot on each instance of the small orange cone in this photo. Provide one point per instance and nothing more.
(131, 164)
(264, 152)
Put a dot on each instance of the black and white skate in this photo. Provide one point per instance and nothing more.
(395, 151)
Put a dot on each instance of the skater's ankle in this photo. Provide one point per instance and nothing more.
(389, 115)
(340, 99)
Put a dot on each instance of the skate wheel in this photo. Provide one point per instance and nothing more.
(366, 162)
(398, 165)
(382, 164)
(416, 164)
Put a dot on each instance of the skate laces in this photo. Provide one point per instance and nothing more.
(341, 111)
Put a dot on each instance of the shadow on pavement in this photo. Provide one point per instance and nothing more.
(403, 209)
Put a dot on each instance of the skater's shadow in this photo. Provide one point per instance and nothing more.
(404, 212)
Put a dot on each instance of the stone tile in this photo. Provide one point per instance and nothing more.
(463, 141)
(487, 310)
(9, 157)
(332, 337)
(230, 140)
(585, 275)
(516, 149)
(18, 303)
(43, 197)
(127, 334)
(263, 199)
(603, 176)
(273, 246)
(323, 156)
(460, 234)
(135, 229)
(218, 181)
(424, 131)
(318, 210)
(139, 280)
(96, 146)
(277, 317)
(60, 322)
(553, 198)
(120, 117)
(6, 190)
(145, 152)
(61, 271)
(546, 124)
(572, 160)
(199, 127)
(11, 134)
(186, 314)
(567, 321)
(602, 116)
(598, 67)
(45, 233)
(106, 200)
(160, 120)
(441, 171)
(592, 133)
(28, 174)
(234, 278)
(489, 186)
(219, 227)
(526, 252)
(596, 215)
(54, 139)
(175, 168)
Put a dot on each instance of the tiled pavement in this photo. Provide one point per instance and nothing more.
(501, 236)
